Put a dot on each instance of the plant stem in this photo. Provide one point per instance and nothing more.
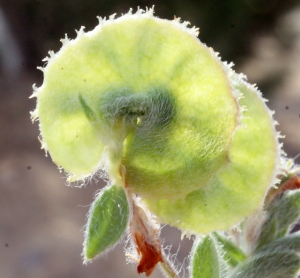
(167, 267)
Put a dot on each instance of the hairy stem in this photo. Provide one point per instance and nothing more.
(167, 268)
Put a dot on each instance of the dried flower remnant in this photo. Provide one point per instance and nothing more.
(145, 233)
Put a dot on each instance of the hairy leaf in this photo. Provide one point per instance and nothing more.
(107, 221)
(284, 264)
(208, 259)
(283, 212)
(233, 255)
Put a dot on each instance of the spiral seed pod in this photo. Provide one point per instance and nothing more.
(181, 129)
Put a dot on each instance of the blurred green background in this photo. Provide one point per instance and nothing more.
(41, 219)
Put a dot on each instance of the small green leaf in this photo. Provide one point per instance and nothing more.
(274, 264)
(107, 221)
(287, 243)
(277, 259)
(283, 212)
(233, 255)
(207, 259)
(268, 233)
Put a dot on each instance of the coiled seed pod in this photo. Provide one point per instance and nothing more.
(181, 129)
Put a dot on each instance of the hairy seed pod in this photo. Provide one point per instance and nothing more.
(192, 138)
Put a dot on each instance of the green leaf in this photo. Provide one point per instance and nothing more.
(283, 212)
(272, 264)
(107, 221)
(268, 233)
(277, 259)
(233, 255)
(287, 243)
(207, 259)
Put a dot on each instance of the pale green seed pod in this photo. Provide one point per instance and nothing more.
(180, 128)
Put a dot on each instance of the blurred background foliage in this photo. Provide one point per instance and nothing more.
(41, 219)
(227, 26)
